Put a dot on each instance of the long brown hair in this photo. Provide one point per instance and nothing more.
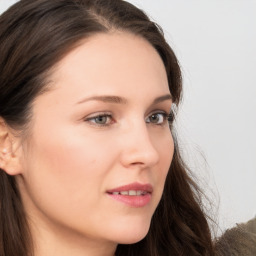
(34, 36)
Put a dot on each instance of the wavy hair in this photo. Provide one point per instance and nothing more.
(34, 36)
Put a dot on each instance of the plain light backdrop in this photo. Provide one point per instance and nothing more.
(215, 41)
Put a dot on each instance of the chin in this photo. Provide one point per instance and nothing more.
(133, 240)
(132, 234)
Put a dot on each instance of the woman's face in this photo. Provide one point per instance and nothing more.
(100, 146)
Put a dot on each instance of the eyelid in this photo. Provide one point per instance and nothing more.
(89, 118)
(166, 116)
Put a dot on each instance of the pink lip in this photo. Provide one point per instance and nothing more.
(133, 201)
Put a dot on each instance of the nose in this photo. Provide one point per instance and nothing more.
(138, 148)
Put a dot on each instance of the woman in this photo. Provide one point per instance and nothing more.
(88, 163)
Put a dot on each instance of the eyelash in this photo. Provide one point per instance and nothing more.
(166, 117)
(100, 115)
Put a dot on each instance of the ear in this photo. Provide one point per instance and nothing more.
(10, 150)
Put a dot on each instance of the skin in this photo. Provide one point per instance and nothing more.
(69, 160)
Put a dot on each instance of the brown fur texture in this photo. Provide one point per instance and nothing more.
(238, 241)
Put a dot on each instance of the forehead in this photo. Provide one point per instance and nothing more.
(111, 63)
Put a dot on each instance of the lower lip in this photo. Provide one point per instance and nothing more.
(133, 201)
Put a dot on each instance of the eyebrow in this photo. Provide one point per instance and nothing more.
(162, 98)
(121, 100)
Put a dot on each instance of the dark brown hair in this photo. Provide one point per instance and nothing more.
(34, 36)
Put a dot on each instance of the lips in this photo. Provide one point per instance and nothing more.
(134, 195)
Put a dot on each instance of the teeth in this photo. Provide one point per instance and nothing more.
(131, 193)
(139, 193)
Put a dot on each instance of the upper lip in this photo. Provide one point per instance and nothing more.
(133, 186)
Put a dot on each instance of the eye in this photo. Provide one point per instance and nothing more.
(100, 120)
(157, 118)
(170, 117)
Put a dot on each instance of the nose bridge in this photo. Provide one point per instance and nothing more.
(138, 147)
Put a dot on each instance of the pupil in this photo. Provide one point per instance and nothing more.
(155, 118)
(101, 119)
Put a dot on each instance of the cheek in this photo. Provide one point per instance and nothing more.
(63, 170)
(64, 180)
(165, 148)
(168, 152)
(68, 162)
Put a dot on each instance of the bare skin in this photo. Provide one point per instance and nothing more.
(83, 144)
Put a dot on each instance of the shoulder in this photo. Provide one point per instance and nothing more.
(238, 241)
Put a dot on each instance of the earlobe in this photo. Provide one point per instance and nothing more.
(9, 153)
